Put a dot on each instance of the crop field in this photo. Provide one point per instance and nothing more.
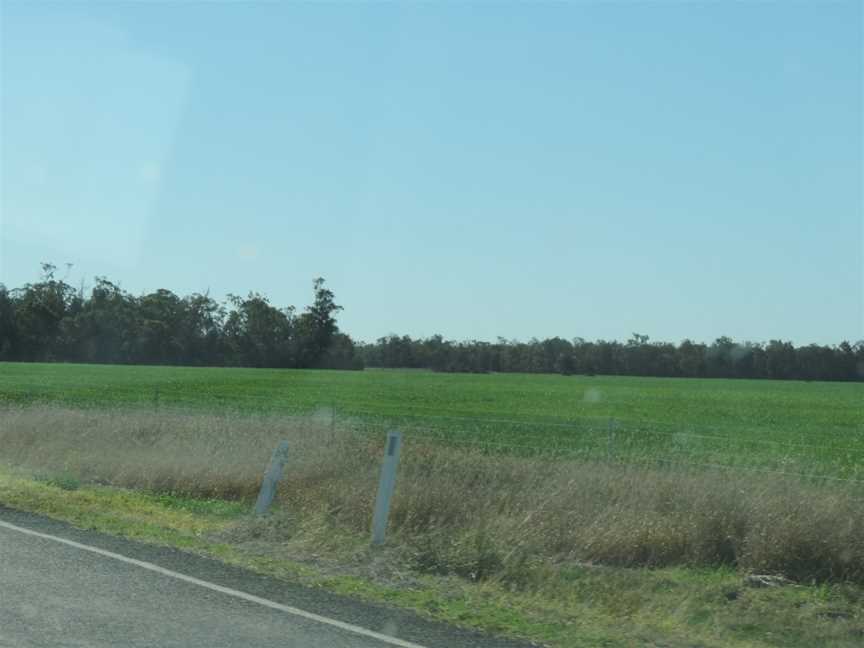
(809, 429)
(551, 494)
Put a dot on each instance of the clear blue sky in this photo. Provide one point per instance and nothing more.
(680, 170)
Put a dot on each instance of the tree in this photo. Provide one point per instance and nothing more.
(718, 359)
(846, 364)
(565, 364)
(691, 359)
(780, 360)
(557, 355)
(8, 326)
(317, 326)
(160, 315)
(343, 353)
(201, 335)
(39, 310)
(106, 327)
(258, 334)
(49, 320)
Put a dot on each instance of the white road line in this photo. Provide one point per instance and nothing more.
(392, 641)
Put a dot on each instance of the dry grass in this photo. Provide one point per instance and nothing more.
(457, 511)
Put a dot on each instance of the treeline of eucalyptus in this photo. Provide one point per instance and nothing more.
(50, 321)
(723, 358)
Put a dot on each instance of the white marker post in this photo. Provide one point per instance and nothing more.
(386, 485)
(271, 478)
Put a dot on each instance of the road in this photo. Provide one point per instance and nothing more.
(61, 586)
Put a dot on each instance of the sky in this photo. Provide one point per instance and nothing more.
(681, 170)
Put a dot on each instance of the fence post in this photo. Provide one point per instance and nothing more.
(271, 477)
(386, 484)
(610, 438)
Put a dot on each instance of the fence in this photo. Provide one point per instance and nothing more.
(831, 454)
(466, 491)
(611, 441)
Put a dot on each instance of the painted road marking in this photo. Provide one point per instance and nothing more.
(349, 627)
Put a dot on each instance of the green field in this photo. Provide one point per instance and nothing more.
(795, 427)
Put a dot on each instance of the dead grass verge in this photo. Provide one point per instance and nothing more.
(457, 511)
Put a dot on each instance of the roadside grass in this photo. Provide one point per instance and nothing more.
(563, 551)
(561, 605)
(457, 510)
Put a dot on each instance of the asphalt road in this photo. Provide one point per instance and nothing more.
(54, 594)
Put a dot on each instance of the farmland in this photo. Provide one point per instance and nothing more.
(643, 492)
(810, 428)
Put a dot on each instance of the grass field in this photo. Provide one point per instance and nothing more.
(573, 511)
(795, 427)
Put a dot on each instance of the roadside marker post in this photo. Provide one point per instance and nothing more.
(386, 485)
(271, 478)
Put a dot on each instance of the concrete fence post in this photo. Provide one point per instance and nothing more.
(386, 485)
(271, 478)
(610, 438)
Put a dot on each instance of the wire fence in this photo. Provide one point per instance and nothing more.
(214, 396)
(642, 443)
(829, 453)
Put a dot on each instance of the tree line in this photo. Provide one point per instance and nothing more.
(638, 356)
(51, 321)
